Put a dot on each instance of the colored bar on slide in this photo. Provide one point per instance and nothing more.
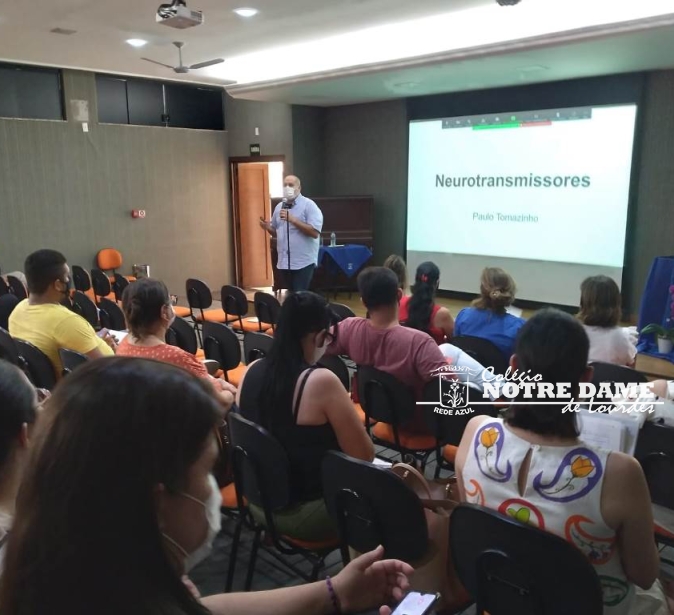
(534, 124)
(494, 126)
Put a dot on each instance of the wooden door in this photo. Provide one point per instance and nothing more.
(252, 190)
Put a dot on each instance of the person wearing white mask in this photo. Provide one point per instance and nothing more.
(118, 503)
(306, 408)
(296, 223)
(149, 314)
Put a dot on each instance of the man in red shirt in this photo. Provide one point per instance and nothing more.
(380, 341)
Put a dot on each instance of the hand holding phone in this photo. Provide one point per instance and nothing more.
(416, 603)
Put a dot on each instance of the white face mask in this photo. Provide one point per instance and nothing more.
(214, 520)
(289, 192)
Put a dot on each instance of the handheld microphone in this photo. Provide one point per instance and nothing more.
(286, 204)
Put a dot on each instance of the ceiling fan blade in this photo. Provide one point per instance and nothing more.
(205, 64)
(160, 63)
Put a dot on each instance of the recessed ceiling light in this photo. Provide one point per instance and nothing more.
(246, 12)
(136, 42)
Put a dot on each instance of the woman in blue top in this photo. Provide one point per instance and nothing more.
(488, 318)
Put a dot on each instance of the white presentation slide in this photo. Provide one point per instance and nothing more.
(543, 194)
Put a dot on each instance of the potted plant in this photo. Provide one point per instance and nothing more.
(664, 336)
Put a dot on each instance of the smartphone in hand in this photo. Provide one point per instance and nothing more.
(416, 603)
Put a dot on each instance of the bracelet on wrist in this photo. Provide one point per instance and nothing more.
(333, 595)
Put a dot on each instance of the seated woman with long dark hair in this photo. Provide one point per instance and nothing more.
(118, 502)
(419, 311)
(534, 467)
(149, 314)
(306, 408)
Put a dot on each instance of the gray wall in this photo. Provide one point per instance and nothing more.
(274, 121)
(74, 191)
(366, 154)
(309, 155)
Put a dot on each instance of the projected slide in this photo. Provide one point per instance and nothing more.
(526, 191)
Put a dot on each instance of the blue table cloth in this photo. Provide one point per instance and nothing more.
(349, 258)
(657, 305)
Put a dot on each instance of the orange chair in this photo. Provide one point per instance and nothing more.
(181, 311)
(262, 476)
(267, 310)
(17, 287)
(109, 259)
(387, 400)
(199, 298)
(82, 281)
(182, 335)
(101, 286)
(235, 305)
(222, 345)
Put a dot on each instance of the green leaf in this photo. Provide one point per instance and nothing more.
(659, 330)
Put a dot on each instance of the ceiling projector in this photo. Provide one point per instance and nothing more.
(507, 2)
(177, 15)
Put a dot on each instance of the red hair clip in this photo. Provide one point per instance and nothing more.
(424, 278)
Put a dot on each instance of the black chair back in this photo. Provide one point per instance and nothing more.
(86, 308)
(199, 296)
(337, 366)
(373, 506)
(4, 289)
(7, 305)
(234, 301)
(383, 397)
(267, 309)
(341, 311)
(119, 285)
(612, 374)
(261, 466)
(620, 374)
(101, 284)
(483, 351)
(221, 345)
(510, 567)
(71, 360)
(256, 346)
(37, 365)
(447, 393)
(81, 278)
(655, 453)
(111, 315)
(182, 335)
(17, 287)
(8, 348)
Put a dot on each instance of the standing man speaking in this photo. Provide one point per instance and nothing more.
(296, 223)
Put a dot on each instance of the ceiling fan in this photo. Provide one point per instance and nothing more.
(181, 68)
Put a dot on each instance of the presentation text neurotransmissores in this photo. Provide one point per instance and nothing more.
(513, 181)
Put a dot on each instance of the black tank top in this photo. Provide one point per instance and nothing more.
(305, 444)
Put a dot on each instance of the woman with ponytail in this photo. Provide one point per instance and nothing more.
(488, 317)
(306, 408)
(420, 312)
